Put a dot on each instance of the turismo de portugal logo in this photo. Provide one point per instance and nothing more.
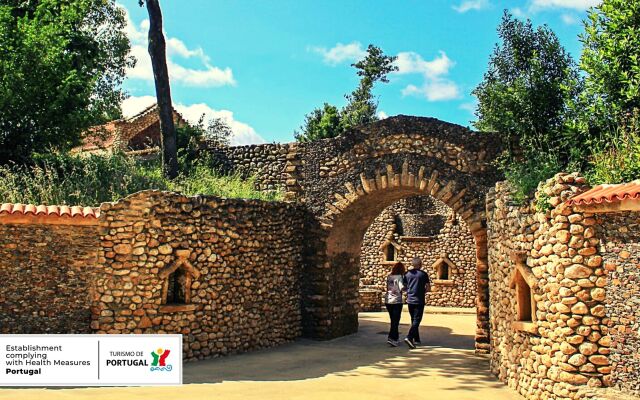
(159, 362)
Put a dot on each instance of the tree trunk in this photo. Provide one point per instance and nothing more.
(158, 53)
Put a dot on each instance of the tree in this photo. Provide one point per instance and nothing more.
(525, 93)
(321, 123)
(61, 68)
(611, 60)
(218, 133)
(158, 54)
(361, 108)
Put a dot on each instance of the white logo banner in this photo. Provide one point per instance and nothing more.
(90, 360)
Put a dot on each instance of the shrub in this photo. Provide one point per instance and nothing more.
(619, 162)
(525, 175)
(93, 179)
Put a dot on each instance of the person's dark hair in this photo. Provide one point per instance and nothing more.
(398, 269)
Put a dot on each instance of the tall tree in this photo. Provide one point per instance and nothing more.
(524, 95)
(361, 108)
(525, 99)
(611, 59)
(61, 68)
(158, 54)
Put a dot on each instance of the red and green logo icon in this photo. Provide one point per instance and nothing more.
(159, 362)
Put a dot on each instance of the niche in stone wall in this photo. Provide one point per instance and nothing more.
(176, 284)
(443, 269)
(389, 251)
(524, 283)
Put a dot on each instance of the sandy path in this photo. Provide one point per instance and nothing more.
(359, 366)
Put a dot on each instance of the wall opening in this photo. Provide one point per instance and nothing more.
(177, 287)
(442, 272)
(345, 232)
(524, 283)
(523, 300)
(390, 253)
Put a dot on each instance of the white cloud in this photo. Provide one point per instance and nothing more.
(436, 87)
(573, 4)
(569, 19)
(207, 75)
(469, 106)
(518, 12)
(242, 132)
(438, 90)
(411, 63)
(134, 104)
(341, 53)
(382, 115)
(468, 5)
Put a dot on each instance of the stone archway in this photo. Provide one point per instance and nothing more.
(348, 181)
(343, 183)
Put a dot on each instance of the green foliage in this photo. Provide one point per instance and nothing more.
(524, 176)
(611, 60)
(61, 68)
(321, 123)
(90, 180)
(361, 108)
(542, 203)
(523, 96)
(618, 161)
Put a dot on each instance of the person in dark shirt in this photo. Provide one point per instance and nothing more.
(417, 284)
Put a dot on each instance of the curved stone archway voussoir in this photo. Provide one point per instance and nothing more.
(389, 184)
(357, 204)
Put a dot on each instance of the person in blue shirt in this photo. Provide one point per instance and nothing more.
(417, 284)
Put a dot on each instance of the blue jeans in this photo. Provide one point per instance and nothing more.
(416, 311)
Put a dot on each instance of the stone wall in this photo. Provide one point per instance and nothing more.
(237, 264)
(275, 166)
(46, 274)
(620, 248)
(552, 251)
(421, 227)
(349, 180)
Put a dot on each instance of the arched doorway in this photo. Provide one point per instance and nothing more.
(349, 180)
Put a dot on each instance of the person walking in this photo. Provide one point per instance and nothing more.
(393, 301)
(418, 284)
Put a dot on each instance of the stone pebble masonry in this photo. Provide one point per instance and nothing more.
(555, 283)
(46, 277)
(241, 259)
(426, 228)
(582, 334)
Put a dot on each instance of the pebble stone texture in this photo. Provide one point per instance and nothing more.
(46, 272)
(620, 247)
(248, 274)
(584, 284)
(421, 227)
(346, 182)
(241, 260)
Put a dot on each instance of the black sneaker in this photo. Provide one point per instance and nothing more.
(409, 343)
(392, 343)
(417, 343)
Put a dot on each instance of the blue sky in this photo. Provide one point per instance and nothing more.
(262, 65)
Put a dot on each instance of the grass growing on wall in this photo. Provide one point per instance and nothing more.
(91, 180)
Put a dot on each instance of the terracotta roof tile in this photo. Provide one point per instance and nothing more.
(56, 211)
(608, 194)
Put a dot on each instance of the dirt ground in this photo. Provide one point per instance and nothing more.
(359, 366)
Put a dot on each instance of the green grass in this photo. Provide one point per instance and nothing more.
(91, 180)
(619, 163)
